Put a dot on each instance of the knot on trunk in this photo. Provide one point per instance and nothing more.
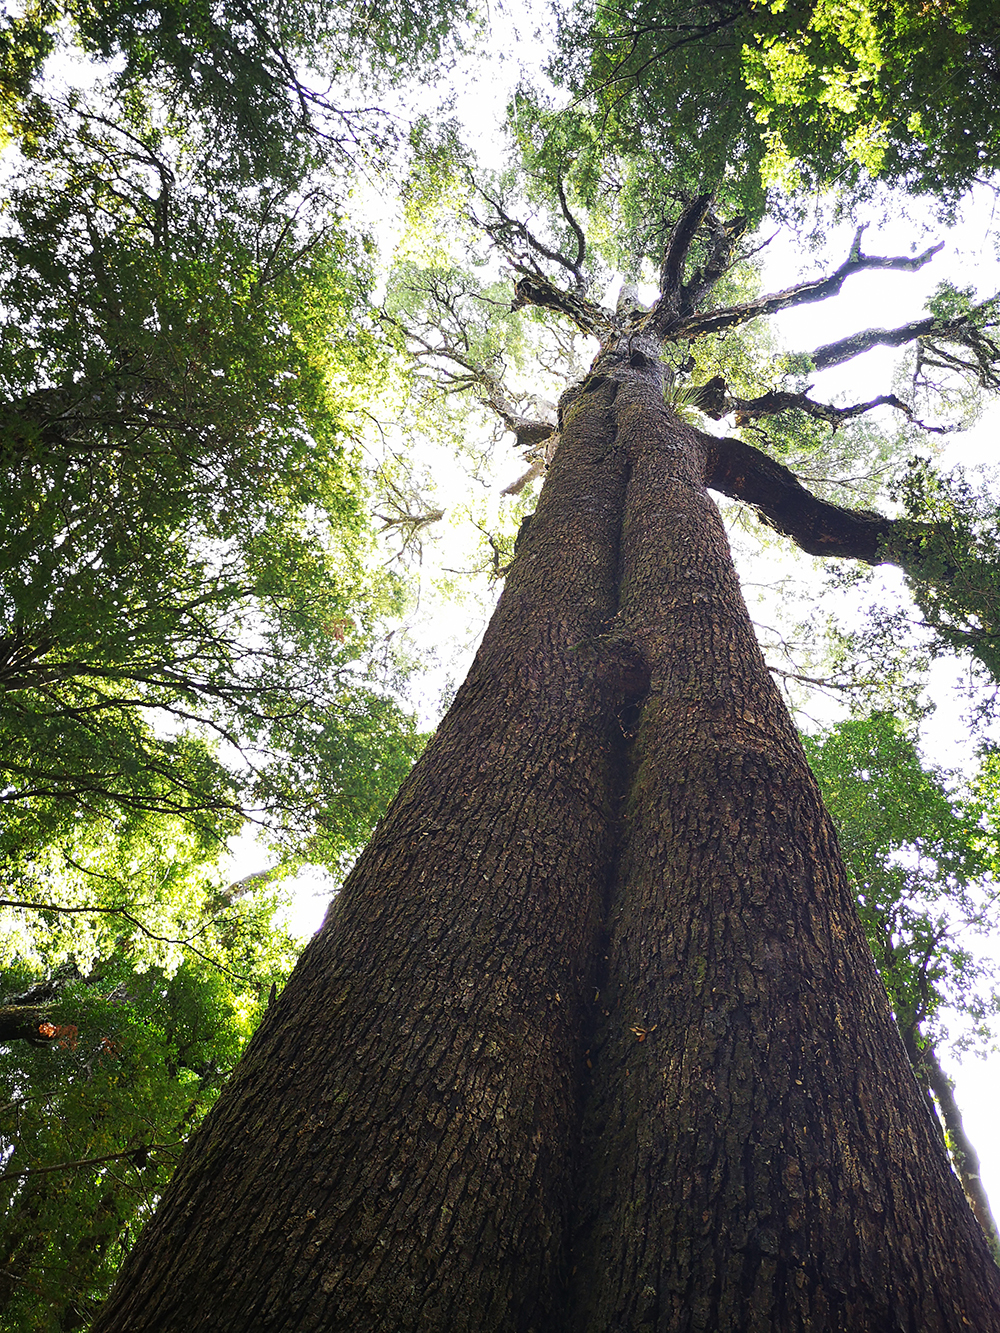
(619, 666)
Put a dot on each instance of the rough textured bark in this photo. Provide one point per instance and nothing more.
(608, 896)
(395, 1149)
(758, 1154)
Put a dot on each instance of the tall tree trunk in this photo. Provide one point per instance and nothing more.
(394, 1151)
(759, 1156)
(399, 1149)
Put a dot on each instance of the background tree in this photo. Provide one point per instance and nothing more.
(281, 86)
(93, 1124)
(189, 608)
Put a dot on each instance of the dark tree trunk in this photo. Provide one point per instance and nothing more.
(592, 1039)
(395, 1149)
(26, 1022)
(758, 1154)
(963, 1151)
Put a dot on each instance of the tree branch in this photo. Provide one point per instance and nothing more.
(715, 401)
(89, 1161)
(804, 293)
(744, 473)
(26, 1022)
(581, 243)
(928, 553)
(669, 306)
(963, 1152)
(536, 289)
(509, 227)
(835, 354)
(472, 375)
(724, 237)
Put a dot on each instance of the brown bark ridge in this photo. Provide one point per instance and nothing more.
(758, 1154)
(395, 1149)
(564, 1062)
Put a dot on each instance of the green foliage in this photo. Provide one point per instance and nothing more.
(677, 99)
(268, 84)
(922, 861)
(950, 302)
(188, 609)
(139, 1059)
(953, 564)
(78, 887)
(796, 95)
(25, 42)
(625, 193)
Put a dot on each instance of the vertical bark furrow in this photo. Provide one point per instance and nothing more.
(395, 1151)
(758, 1156)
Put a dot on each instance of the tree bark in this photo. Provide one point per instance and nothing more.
(592, 1039)
(26, 1022)
(395, 1149)
(758, 1155)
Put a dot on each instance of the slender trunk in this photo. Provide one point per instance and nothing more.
(399, 1149)
(963, 1153)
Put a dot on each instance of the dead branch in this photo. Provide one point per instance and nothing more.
(715, 401)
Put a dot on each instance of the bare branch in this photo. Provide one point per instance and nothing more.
(581, 243)
(836, 353)
(804, 293)
(463, 373)
(90, 1161)
(820, 528)
(668, 308)
(536, 289)
(507, 228)
(930, 333)
(535, 470)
